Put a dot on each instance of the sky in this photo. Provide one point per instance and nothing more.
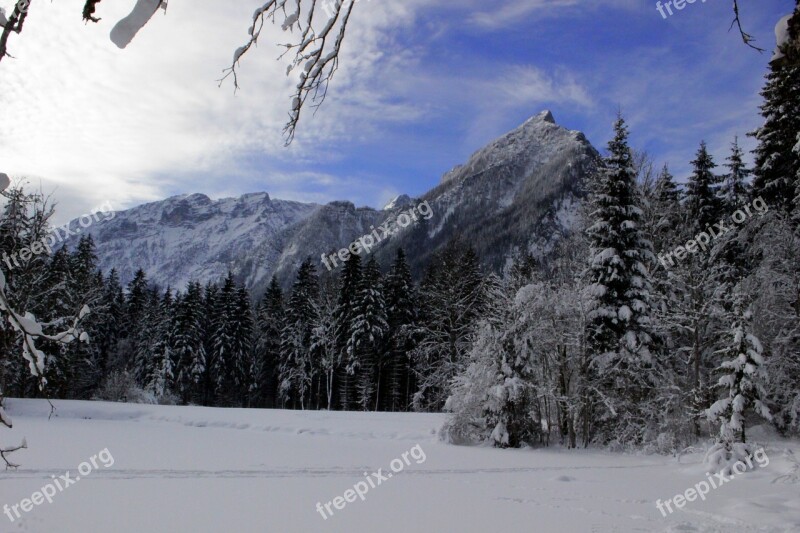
(422, 85)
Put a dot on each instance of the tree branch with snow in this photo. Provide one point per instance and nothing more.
(316, 53)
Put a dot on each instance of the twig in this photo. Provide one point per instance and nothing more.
(5, 451)
(746, 37)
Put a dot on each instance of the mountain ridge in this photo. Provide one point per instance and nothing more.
(517, 194)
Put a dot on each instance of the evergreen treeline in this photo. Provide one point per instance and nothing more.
(341, 343)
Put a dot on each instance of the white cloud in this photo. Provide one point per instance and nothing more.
(102, 124)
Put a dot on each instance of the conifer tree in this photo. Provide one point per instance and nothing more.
(110, 324)
(369, 328)
(298, 368)
(620, 339)
(702, 193)
(210, 320)
(160, 368)
(735, 193)
(777, 156)
(241, 365)
(224, 365)
(401, 313)
(190, 354)
(269, 324)
(349, 283)
(743, 375)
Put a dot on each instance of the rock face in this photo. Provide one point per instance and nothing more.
(517, 194)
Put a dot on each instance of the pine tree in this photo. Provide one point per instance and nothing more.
(190, 354)
(735, 193)
(401, 316)
(210, 320)
(702, 193)
(269, 324)
(298, 368)
(108, 330)
(241, 364)
(136, 304)
(743, 376)
(160, 369)
(777, 157)
(224, 360)
(148, 337)
(620, 339)
(87, 287)
(349, 283)
(60, 365)
(369, 328)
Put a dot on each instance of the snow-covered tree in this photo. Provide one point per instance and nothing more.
(25, 216)
(298, 367)
(743, 376)
(269, 324)
(401, 307)
(777, 160)
(620, 338)
(368, 331)
(735, 192)
(188, 334)
(349, 282)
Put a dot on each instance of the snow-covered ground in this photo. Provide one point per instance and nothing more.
(192, 469)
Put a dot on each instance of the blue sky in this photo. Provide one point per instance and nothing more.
(423, 84)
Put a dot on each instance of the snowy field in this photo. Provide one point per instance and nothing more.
(192, 469)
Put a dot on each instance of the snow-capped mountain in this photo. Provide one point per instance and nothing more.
(518, 193)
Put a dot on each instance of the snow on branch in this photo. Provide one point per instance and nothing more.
(13, 24)
(32, 330)
(316, 53)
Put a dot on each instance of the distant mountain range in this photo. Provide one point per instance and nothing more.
(518, 194)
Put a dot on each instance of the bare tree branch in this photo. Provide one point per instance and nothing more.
(14, 24)
(317, 53)
(746, 37)
(4, 451)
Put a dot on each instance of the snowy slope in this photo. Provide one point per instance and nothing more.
(519, 193)
(191, 237)
(198, 470)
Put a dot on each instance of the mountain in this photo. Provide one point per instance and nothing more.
(518, 194)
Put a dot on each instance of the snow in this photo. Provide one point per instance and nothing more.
(781, 36)
(209, 470)
(126, 29)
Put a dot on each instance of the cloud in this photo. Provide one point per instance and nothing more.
(512, 11)
(126, 126)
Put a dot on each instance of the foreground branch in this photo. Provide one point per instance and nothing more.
(318, 53)
(746, 37)
(13, 25)
(5, 451)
